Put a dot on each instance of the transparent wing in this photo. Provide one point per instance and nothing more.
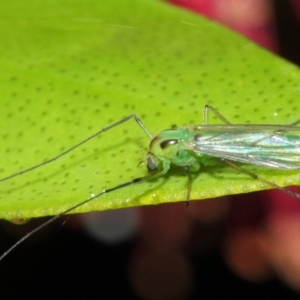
(271, 146)
(243, 128)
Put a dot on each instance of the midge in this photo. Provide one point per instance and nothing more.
(189, 147)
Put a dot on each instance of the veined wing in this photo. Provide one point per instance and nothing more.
(270, 146)
(246, 128)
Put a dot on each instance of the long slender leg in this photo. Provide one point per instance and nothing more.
(208, 108)
(270, 183)
(106, 191)
(295, 123)
(133, 116)
(190, 181)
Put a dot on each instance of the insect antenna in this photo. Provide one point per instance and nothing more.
(133, 116)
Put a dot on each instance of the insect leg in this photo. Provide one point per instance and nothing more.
(254, 176)
(133, 116)
(106, 191)
(295, 123)
(190, 181)
(208, 108)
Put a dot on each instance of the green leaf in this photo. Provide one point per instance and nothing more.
(69, 68)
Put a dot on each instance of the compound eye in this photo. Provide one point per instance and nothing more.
(168, 143)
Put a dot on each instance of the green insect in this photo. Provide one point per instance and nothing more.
(189, 147)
